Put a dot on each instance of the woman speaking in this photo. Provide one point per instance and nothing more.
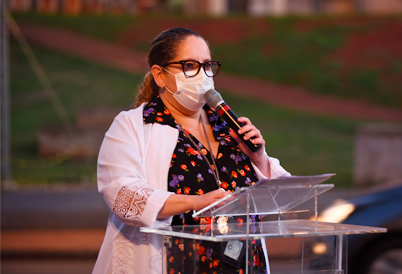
(171, 155)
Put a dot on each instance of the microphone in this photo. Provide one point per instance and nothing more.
(214, 100)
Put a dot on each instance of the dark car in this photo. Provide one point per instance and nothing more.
(376, 253)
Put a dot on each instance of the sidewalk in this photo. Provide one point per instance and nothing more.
(51, 244)
(46, 223)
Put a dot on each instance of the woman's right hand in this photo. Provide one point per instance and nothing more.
(201, 201)
(179, 203)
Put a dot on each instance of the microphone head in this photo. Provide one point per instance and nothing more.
(213, 98)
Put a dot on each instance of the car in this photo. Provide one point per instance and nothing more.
(373, 253)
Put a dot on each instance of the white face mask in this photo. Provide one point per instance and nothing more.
(190, 91)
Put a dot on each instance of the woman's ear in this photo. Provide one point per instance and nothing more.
(157, 73)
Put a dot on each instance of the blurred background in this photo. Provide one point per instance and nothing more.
(322, 80)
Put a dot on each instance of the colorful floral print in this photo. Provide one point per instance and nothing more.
(190, 174)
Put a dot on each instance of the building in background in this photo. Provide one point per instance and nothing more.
(212, 7)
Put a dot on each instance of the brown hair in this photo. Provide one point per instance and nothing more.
(162, 51)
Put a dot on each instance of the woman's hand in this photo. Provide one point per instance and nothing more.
(179, 203)
(258, 158)
(201, 201)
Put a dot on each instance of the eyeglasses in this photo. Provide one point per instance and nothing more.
(191, 68)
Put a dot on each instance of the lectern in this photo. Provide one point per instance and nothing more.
(278, 201)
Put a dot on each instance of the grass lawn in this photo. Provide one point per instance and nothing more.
(304, 143)
(78, 84)
(300, 51)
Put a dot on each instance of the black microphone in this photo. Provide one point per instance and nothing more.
(214, 100)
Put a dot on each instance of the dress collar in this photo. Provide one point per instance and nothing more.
(156, 112)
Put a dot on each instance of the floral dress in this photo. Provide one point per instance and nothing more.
(190, 174)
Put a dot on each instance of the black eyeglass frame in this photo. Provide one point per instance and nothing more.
(199, 66)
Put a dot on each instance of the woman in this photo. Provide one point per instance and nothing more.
(169, 156)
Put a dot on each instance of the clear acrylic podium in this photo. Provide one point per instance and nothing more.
(278, 201)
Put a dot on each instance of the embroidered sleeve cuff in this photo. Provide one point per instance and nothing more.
(130, 202)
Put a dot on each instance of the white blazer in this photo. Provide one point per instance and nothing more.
(133, 167)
